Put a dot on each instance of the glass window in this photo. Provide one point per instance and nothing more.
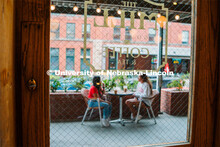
(70, 53)
(55, 30)
(70, 30)
(152, 34)
(87, 52)
(112, 61)
(117, 33)
(88, 29)
(83, 66)
(153, 63)
(54, 58)
(127, 33)
(129, 64)
(185, 37)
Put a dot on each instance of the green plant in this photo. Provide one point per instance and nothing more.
(120, 81)
(185, 76)
(79, 83)
(132, 85)
(177, 83)
(109, 84)
(53, 77)
(54, 85)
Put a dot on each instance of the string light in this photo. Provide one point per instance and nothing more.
(139, 13)
(158, 15)
(75, 8)
(52, 7)
(175, 3)
(177, 17)
(98, 9)
(119, 11)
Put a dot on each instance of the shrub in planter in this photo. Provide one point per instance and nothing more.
(79, 83)
(109, 83)
(178, 84)
(54, 85)
(174, 100)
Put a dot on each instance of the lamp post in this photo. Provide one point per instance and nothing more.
(161, 20)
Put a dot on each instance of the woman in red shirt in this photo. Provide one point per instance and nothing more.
(96, 91)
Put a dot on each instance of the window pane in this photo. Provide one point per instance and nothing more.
(83, 66)
(185, 37)
(88, 28)
(87, 52)
(69, 59)
(117, 33)
(54, 59)
(55, 30)
(152, 34)
(70, 30)
(127, 33)
(88, 31)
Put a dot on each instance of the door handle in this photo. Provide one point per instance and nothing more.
(32, 84)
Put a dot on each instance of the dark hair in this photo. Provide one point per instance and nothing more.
(95, 80)
(146, 79)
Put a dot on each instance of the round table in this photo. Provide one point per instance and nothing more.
(121, 94)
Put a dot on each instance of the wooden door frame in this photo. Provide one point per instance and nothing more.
(206, 70)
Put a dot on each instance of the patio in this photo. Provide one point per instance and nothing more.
(73, 134)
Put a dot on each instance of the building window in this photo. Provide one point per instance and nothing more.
(70, 53)
(112, 61)
(117, 33)
(185, 65)
(153, 63)
(87, 52)
(83, 66)
(127, 33)
(185, 37)
(152, 34)
(55, 30)
(54, 58)
(70, 30)
(129, 63)
(88, 29)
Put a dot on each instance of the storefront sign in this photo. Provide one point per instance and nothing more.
(135, 52)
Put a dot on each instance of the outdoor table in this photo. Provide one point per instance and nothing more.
(121, 94)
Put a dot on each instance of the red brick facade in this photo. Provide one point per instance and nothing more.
(174, 102)
(71, 107)
(106, 36)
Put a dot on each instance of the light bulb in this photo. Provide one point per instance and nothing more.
(52, 7)
(98, 10)
(139, 13)
(174, 3)
(75, 8)
(177, 17)
(119, 11)
(158, 15)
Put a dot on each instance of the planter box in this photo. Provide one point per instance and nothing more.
(70, 106)
(174, 102)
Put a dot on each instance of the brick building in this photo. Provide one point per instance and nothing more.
(67, 44)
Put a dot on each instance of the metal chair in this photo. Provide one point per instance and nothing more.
(85, 93)
(148, 102)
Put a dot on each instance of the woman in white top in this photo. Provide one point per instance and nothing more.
(144, 89)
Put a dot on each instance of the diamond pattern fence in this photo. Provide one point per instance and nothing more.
(112, 48)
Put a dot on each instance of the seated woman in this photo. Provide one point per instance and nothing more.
(96, 91)
(144, 89)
